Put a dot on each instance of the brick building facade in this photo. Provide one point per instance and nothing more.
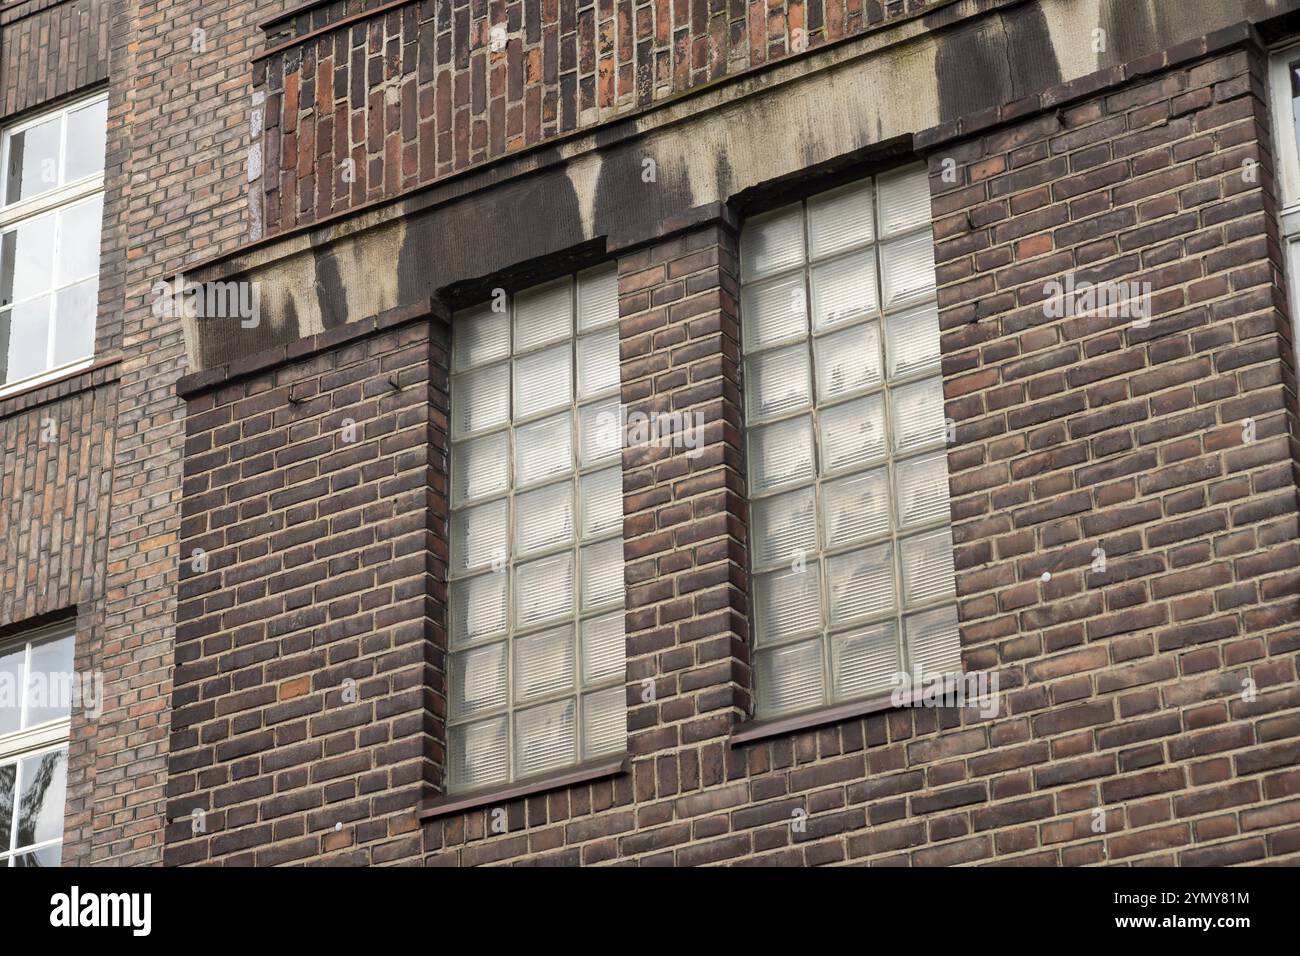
(250, 520)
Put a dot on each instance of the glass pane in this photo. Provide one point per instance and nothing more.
(33, 166)
(840, 219)
(773, 312)
(789, 678)
(865, 662)
(853, 433)
(27, 260)
(847, 361)
(479, 468)
(602, 574)
(46, 856)
(861, 583)
(478, 680)
(85, 150)
(780, 454)
(74, 321)
(543, 449)
(544, 663)
(544, 590)
(478, 754)
(478, 607)
(603, 647)
(480, 400)
(917, 411)
(922, 485)
(784, 527)
(597, 297)
(29, 342)
(479, 336)
(600, 431)
(844, 289)
(545, 738)
(787, 603)
(904, 199)
(600, 501)
(543, 380)
(856, 508)
(543, 314)
(928, 567)
(478, 536)
(79, 227)
(933, 641)
(777, 381)
(49, 680)
(913, 344)
(544, 518)
(8, 780)
(42, 780)
(12, 661)
(772, 242)
(598, 363)
(907, 267)
(604, 722)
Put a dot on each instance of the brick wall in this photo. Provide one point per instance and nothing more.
(361, 108)
(308, 704)
(1149, 711)
(51, 49)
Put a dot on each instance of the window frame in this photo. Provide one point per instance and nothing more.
(579, 689)
(63, 196)
(1286, 152)
(46, 737)
(763, 724)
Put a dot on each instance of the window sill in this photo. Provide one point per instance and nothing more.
(807, 720)
(54, 377)
(458, 803)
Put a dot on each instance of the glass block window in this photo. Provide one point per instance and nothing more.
(851, 552)
(36, 680)
(51, 207)
(536, 676)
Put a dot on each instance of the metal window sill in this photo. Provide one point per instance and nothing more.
(779, 726)
(586, 773)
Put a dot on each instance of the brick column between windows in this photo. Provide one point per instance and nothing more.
(308, 699)
(684, 509)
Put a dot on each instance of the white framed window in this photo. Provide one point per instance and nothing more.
(850, 548)
(1284, 82)
(36, 679)
(536, 663)
(51, 211)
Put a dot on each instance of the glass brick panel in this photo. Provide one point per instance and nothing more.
(598, 363)
(543, 380)
(482, 336)
(913, 344)
(479, 754)
(907, 267)
(774, 312)
(602, 574)
(780, 454)
(543, 590)
(772, 242)
(544, 518)
(861, 583)
(481, 400)
(478, 607)
(917, 410)
(927, 567)
(545, 738)
(783, 527)
(604, 722)
(847, 361)
(603, 647)
(597, 297)
(844, 290)
(543, 314)
(865, 662)
(922, 485)
(778, 382)
(544, 449)
(787, 603)
(480, 468)
(600, 432)
(544, 663)
(479, 536)
(840, 219)
(478, 680)
(853, 434)
(790, 678)
(904, 200)
(933, 641)
(856, 508)
(600, 498)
